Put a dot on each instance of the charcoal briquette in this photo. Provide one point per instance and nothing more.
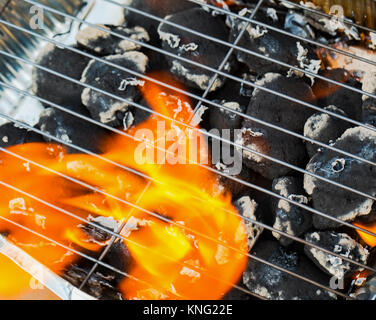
(273, 284)
(332, 94)
(369, 103)
(12, 134)
(335, 201)
(71, 129)
(276, 110)
(289, 218)
(155, 8)
(271, 44)
(195, 48)
(247, 209)
(52, 87)
(324, 128)
(104, 43)
(339, 243)
(105, 108)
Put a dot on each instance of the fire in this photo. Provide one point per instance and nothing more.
(367, 238)
(184, 235)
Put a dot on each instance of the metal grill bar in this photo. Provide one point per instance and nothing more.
(217, 105)
(127, 275)
(167, 220)
(203, 132)
(321, 13)
(293, 167)
(203, 100)
(227, 57)
(215, 171)
(226, 75)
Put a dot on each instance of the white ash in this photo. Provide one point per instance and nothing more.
(197, 118)
(307, 64)
(201, 80)
(340, 243)
(247, 209)
(132, 82)
(272, 14)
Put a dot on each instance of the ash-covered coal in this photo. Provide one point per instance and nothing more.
(104, 43)
(102, 107)
(331, 94)
(195, 48)
(281, 112)
(230, 97)
(12, 134)
(335, 201)
(155, 8)
(71, 129)
(369, 103)
(324, 128)
(52, 87)
(272, 283)
(271, 44)
(289, 218)
(247, 209)
(340, 243)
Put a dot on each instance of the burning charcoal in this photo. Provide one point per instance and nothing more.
(102, 107)
(324, 128)
(247, 209)
(194, 47)
(155, 8)
(104, 43)
(331, 94)
(289, 218)
(271, 44)
(71, 129)
(230, 97)
(339, 243)
(52, 87)
(11, 135)
(369, 104)
(334, 201)
(232, 186)
(278, 111)
(274, 284)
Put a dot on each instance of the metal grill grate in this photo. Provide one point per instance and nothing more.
(17, 55)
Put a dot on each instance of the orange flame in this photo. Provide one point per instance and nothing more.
(367, 238)
(196, 251)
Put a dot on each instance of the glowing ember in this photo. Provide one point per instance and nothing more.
(197, 250)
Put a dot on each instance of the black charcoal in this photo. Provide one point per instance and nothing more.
(281, 112)
(335, 201)
(271, 44)
(104, 43)
(324, 128)
(230, 97)
(52, 87)
(369, 103)
(155, 8)
(195, 48)
(12, 134)
(71, 129)
(331, 94)
(105, 108)
(275, 284)
(247, 209)
(339, 243)
(289, 218)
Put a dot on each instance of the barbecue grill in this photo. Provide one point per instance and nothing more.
(20, 45)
